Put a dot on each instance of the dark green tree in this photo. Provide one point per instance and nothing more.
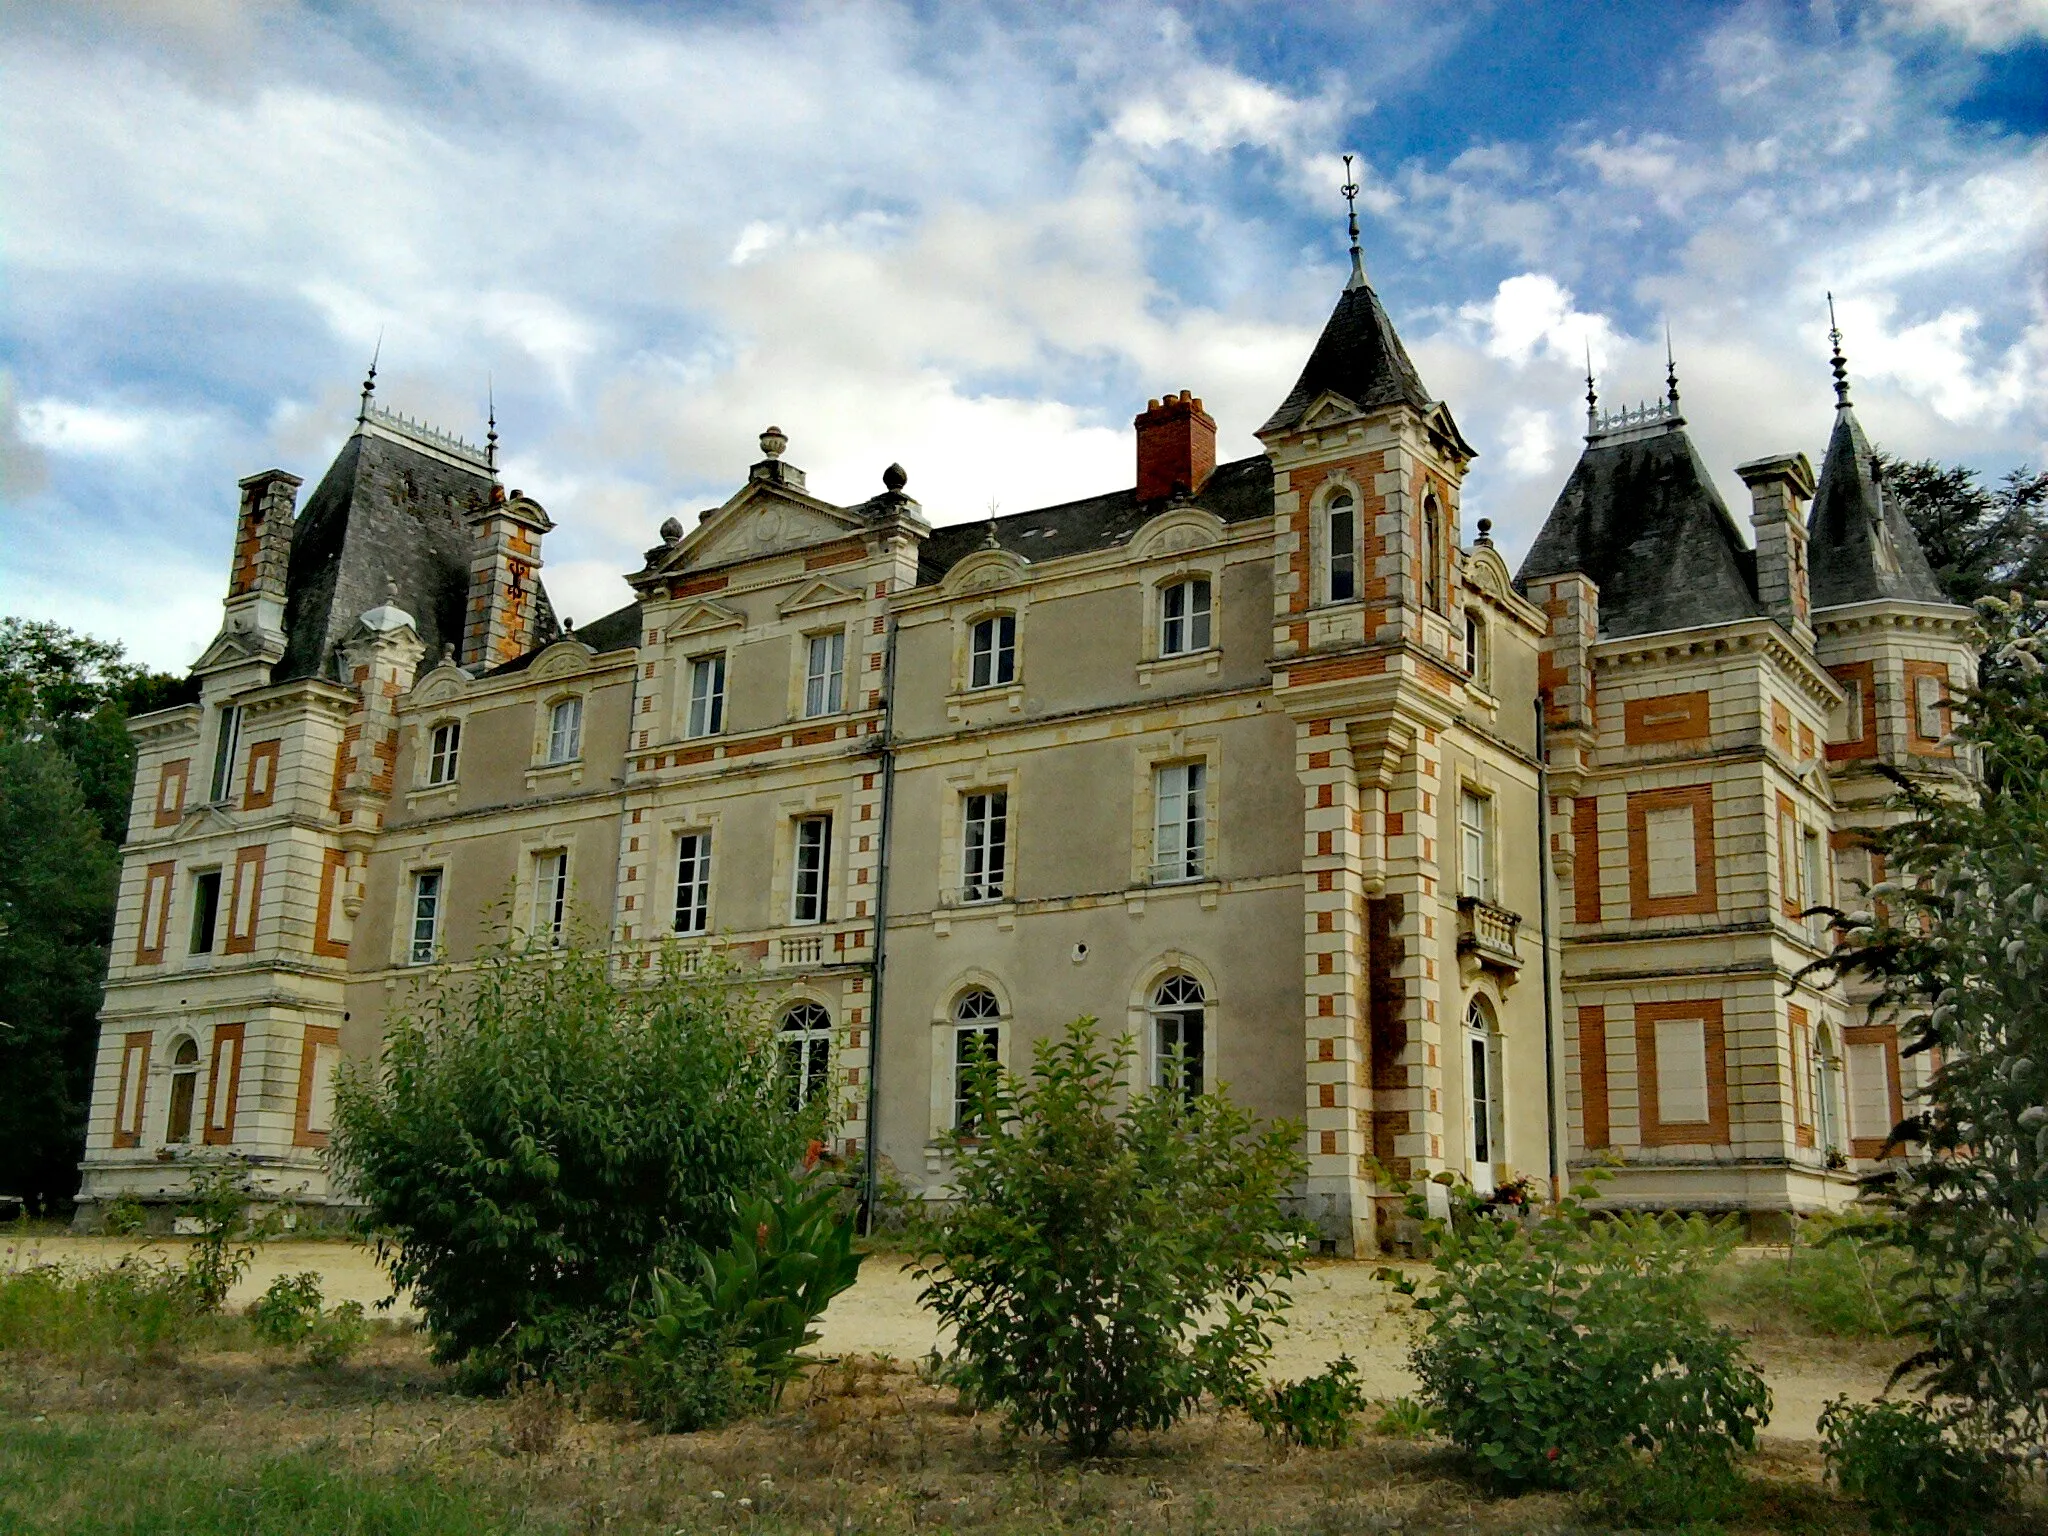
(1981, 540)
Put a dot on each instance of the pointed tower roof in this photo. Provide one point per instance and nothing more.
(1359, 357)
(1860, 547)
(1641, 517)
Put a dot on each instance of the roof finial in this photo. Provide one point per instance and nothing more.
(1592, 399)
(370, 379)
(1839, 362)
(1350, 190)
(990, 541)
(491, 433)
(1670, 370)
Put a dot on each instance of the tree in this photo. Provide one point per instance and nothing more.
(541, 1134)
(1979, 539)
(1956, 945)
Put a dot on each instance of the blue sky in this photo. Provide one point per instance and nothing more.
(969, 238)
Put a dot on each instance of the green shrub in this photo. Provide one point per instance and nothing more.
(542, 1132)
(337, 1335)
(1830, 1282)
(284, 1316)
(1403, 1418)
(229, 1229)
(136, 1309)
(1558, 1350)
(1101, 1271)
(1917, 1470)
(1315, 1411)
(679, 1380)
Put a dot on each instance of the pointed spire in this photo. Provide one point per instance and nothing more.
(1670, 370)
(1592, 399)
(491, 427)
(1837, 361)
(370, 379)
(1350, 190)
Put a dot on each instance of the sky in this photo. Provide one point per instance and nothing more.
(972, 239)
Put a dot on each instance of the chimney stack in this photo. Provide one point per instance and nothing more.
(263, 549)
(1779, 488)
(504, 579)
(1176, 448)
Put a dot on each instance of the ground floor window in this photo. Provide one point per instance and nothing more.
(977, 1048)
(806, 1039)
(1179, 1017)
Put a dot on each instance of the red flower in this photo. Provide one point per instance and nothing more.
(761, 1235)
(812, 1153)
(1552, 1453)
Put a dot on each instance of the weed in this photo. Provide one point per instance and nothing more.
(286, 1314)
(337, 1335)
(537, 1414)
(1917, 1470)
(1315, 1411)
(1827, 1283)
(1403, 1418)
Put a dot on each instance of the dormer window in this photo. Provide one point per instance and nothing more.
(992, 652)
(565, 731)
(443, 753)
(1184, 617)
(1340, 520)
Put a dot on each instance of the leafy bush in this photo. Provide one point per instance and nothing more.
(284, 1316)
(1315, 1411)
(229, 1230)
(541, 1133)
(1557, 1350)
(1403, 1418)
(1917, 1470)
(1102, 1271)
(337, 1335)
(136, 1309)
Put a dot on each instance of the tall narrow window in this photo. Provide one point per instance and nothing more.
(184, 1089)
(205, 910)
(1179, 1013)
(1432, 554)
(1341, 547)
(551, 897)
(813, 869)
(1812, 879)
(444, 750)
(1852, 709)
(227, 738)
(1827, 1097)
(1475, 844)
(1475, 649)
(1483, 1096)
(977, 1048)
(806, 1041)
(984, 845)
(707, 695)
(426, 917)
(825, 677)
(992, 651)
(693, 883)
(1180, 828)
(1184, 617)
(565, 731)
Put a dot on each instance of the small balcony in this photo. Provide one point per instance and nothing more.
(1488, 939)
(808, 950)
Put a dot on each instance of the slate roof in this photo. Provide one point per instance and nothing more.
(1842, 553)
(1359, 357)
(1236, 492)
(616, 631)
(1642, 518)
(383, 513)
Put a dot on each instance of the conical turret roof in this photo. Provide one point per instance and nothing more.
(1860, 547)
(1359, 357)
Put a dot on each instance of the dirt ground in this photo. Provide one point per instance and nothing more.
(1338, 1308)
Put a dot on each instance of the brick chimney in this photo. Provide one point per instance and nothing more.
(263, 548)
(504, 579)
(1778, 488)
(1176, 447)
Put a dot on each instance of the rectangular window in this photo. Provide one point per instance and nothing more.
(565, 731)
(1343, 549)
(551, 896)
(1184, 618)
(1852, 709)
(1668, 836)
(317, 1068)
(1475, 844)
(444, 753)
(155, 923)
(825, 677)
(1870, 1092)
(992, 652)
(976, 1050)
(707, 695)
(1812, 878)
(227, 737)
(1177, 1063)
(813, 869)
(1930, 712)
(984, 846)
(1480, 1125)
(1179, 826)
(693, 883)
(205, 910)
(426, 917)
(1681, 1071)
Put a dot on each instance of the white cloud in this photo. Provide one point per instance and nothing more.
(1531, 314)
(1988, 24)
(79, 427)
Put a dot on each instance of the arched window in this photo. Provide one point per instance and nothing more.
(184, 1087)
(1179, 1015)
(806, 1039)
(1482, 1093)
(1340, 547)
(1184, 617)
(977, 1048)
(1432, 554)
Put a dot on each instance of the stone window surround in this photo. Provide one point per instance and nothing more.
(1652, 1132)
(1704, 899)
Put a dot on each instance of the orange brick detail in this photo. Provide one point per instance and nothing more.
(1705, 897)
(1666, 717)
(1713, 1131)
(1593, 1076)
(1586, 859)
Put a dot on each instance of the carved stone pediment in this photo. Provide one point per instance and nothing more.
(702, 618)
(1178, 530)
(1486, 570)
(234, 646)
(445, 683)
(1328, 410)
(562, 659)
(762, 519)
(984, 571)
(814, 595)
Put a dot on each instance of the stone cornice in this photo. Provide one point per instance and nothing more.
(1946, 619)
(1763, 636)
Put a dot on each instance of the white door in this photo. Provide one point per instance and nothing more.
(1481, 1117)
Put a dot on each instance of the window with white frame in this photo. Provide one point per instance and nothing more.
(1812, 878)
(1340, 547)
(1482, 1093)
(813, 869)
(565, 731)
(707, 696)
(1475, 844)
(425, 945)
(1852, 708)
(805, 1038)
(1681, 1046)
(1870, 1092)
(1184, 617)
(1930, 708)
(444, 750)
(977, 1048)
(992, 651)
(1827, 1091)
(1180, 1015)
(693, 883)
(551, 896)
(984, 845)
(1476, 661)
(825, 674)
(1179, 821)
(227, 736)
